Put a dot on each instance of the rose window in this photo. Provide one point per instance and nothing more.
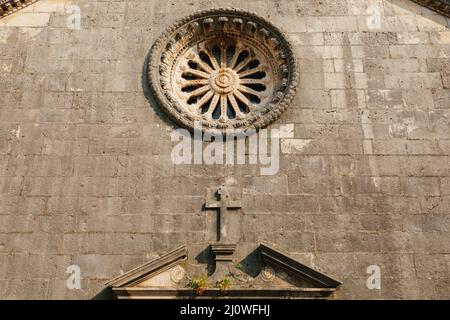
(228, 69)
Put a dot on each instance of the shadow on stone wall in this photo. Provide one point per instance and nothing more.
(104, 294)
(149, 96)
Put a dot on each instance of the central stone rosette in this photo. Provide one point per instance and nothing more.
(224, 81)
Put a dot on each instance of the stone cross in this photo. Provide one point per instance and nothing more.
(223, 204)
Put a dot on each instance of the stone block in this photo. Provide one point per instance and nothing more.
(423, 186)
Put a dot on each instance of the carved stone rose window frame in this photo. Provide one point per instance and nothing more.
(228, 68)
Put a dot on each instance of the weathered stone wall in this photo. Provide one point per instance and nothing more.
(85, 170)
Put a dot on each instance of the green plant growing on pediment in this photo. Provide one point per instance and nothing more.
(223, 284)
(199, 284)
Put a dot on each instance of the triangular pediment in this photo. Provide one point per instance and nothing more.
(281, 261)
(150, 269)
(272, 274)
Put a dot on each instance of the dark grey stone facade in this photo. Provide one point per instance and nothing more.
(86, 176)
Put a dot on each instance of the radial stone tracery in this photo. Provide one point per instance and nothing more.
(228, 69)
